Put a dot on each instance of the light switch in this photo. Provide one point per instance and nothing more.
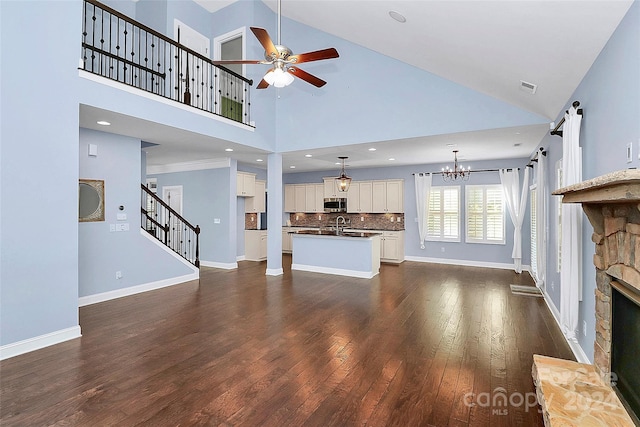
(216, 220)
(93, 150)
(122, 216)
(125, 226)
(112, 227)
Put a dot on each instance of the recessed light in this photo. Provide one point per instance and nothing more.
(292, 167)
(391, 158)
(338, 163)
(103, 123)
(372, 149)
(228, 149)
(517, 144)
(259, 160)
(397, 16)
(451, 145)
(308, 155)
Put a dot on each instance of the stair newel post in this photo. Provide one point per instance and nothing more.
(197, 263)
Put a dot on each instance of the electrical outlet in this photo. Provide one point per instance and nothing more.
(442, 249)
(553, 286)
(118, 275)
(361, 219)
(584, 328)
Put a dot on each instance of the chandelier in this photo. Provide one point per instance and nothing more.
(458, 172)
(343, 181)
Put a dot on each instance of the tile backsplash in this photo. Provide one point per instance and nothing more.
(369, 221)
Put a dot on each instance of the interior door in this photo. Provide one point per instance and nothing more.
(198, 85)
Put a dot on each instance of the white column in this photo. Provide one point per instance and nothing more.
(274, 214)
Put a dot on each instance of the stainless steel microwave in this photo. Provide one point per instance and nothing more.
(335, 204)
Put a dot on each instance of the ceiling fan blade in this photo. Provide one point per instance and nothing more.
(266, 42)
(239, 61)
(309, 78)
(263, 84)
(314, 56)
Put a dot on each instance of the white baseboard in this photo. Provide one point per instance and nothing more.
(274, 272)
(223, 265)
(36, 343)
(337, 271)
(576, 348)
(240, 258)
(498, 265)
(119, 293)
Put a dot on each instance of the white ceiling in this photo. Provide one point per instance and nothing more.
(488, 46)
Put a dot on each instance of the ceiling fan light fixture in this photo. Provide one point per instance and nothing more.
(278, 78)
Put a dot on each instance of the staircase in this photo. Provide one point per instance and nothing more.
(169, 227)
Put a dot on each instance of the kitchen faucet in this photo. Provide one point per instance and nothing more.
(344, 222)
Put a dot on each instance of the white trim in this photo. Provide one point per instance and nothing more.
(274, 272)
(41, 341)
(170, 252)
(466, 263)
(195, 165)
(240, 258)
(337, 271)
(223, 265)
(576, 348)
(157, 98)
(125, 292)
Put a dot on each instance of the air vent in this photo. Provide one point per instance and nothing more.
(528, 87)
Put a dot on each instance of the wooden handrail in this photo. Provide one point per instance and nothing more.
(169, 208)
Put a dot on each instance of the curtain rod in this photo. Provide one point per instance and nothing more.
(555, 130)
(472, 170)
(536, 156)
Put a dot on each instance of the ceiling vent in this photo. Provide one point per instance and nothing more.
(528, 87)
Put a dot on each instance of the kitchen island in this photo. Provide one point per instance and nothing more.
(354, 254)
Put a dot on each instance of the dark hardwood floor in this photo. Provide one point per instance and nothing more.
(418, 345)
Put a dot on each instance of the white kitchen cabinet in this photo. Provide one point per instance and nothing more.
(331, 189)
(289, 198)
(300, 197)
(392, 246)
(388, 196)
(359, 197)
(319, 198)
(255, 245)
(286, 240)
(257, 203)
(246, 184)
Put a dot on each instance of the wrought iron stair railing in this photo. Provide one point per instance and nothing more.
(121, 49)
(169, 227)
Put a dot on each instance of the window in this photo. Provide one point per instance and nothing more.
(443, 214)
(485, 214)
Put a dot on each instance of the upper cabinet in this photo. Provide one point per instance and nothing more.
(258, 203)
(331, 189)
(304, 198)
(362, 197)
(388, 196)
(246, 184)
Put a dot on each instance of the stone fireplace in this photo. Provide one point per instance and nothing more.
(612, 205)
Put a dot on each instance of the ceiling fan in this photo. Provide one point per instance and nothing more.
(283, 60)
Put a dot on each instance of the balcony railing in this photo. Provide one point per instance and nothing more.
(118, 48)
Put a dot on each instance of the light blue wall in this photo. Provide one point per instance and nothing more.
(610, 97)
(38, 168)
(205, 196)
(471, 252)
(102, 252)
(371, 97)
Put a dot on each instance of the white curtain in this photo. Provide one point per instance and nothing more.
(516, 202)
(570, 274)
(541, 220)
(423, 188)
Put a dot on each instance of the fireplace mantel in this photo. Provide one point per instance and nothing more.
(616, 187)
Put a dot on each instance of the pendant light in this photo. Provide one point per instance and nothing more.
(343, 181)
